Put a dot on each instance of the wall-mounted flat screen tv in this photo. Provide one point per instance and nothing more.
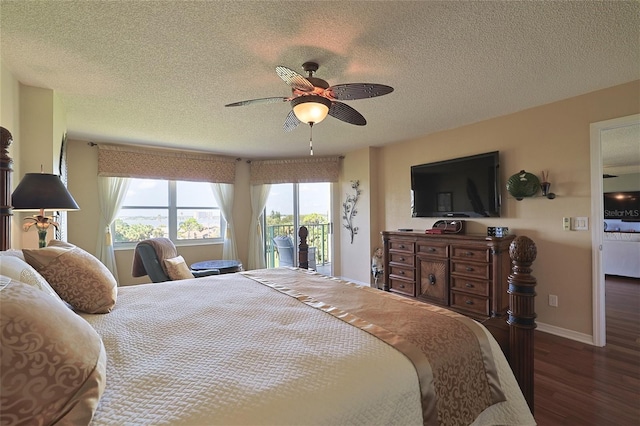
(622, 205)
(460, 187)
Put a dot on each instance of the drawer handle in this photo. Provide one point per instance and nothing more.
(401, 246)
(401, 272)
(468, 253)
(469, 302)
(402, 259)
(432, 279)
(469, 269)
(469, 285)
(431, 249)
(401, 285)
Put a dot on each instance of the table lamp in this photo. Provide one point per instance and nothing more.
(40, 192)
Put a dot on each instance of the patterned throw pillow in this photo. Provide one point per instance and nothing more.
(177, 268)
(53, 361)
(77, 276)
(15, 267)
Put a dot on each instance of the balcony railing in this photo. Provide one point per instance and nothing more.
(318, 238)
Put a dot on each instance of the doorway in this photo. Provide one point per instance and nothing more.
(291, 205)
(598, 132)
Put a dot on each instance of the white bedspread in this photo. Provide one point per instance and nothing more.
(253, 356)
(227, 350)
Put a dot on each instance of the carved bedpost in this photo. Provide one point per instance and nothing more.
(522, 315)
(303, 248)
(6, 168)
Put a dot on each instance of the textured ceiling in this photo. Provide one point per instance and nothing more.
(621, 150)
(161, 72)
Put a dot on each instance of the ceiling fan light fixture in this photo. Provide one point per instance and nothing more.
(311, 108)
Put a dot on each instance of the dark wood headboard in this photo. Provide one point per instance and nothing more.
(6, 168)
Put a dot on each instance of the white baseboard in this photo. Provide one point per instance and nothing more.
(568, 334)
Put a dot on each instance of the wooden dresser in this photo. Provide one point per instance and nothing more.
(467, 273)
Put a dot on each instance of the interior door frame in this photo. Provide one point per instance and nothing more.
(597, 206)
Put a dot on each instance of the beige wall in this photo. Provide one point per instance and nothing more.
(10, 120)
(553, 137)
(628, 182)
(355, 257)
(37, 120)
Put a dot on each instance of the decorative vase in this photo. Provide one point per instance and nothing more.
(545, 186)
(42, 237)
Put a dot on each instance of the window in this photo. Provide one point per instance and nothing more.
(179, 210)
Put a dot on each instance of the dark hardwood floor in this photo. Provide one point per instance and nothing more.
(580, 384)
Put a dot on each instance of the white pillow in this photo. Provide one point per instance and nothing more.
(17, 269)
(12, 252)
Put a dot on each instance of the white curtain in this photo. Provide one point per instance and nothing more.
(223, 193)
(111, 193)
(259, 196)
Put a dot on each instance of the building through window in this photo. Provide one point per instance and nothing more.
(185, 212)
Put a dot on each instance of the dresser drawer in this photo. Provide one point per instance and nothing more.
(432, 249)
(479, 254)
(467, 285)
(470, 303)
(404, 259)
(470, 269)
(401, 245)
(401, 271)
(407, 288)
(433, 283)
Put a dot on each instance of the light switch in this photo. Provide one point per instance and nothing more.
(566, 223)
(581, 224)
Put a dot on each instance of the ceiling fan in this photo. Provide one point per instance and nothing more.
(313, 99)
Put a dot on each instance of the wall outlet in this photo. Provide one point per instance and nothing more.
(553, 300)
(566, 223)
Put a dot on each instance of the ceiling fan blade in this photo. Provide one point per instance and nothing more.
(291, 122)
(351, 91)
(347, 114)
(273, 100)
(294, 79)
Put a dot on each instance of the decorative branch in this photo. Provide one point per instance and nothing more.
(545, 176)
(349, 208)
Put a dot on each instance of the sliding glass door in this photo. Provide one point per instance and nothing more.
(292, 205)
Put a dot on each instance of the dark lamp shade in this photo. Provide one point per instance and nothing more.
(42, 191)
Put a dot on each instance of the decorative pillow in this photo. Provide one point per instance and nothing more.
(53, 361)
(77, 276)
(16, 268)
(12, 252)
(177, 268)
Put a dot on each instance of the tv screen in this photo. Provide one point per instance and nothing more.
(622, 205)
(461, 187)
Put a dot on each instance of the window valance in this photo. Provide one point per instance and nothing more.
(295, 170)
(156, 163)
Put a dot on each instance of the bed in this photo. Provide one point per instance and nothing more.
(277, 346)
